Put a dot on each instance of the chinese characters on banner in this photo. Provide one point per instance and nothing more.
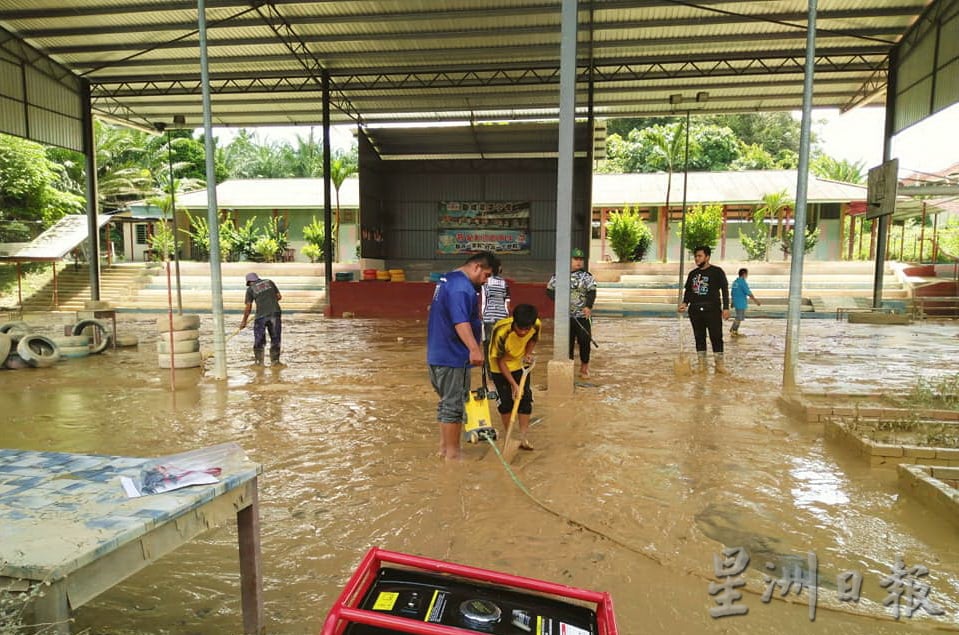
(470, 226)
(906, 591)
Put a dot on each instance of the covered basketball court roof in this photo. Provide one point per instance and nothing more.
(458, 60)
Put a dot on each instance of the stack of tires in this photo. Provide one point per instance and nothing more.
(19, 347)
(186, 341)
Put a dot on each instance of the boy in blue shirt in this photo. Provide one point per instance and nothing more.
(740, 292)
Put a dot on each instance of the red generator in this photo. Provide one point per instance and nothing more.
(391, 593)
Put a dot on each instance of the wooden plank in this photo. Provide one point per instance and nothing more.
(251, 571)
(52, 611)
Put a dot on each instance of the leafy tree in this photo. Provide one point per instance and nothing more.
(623, 232)
(772, 131)
(810, 238)
(777, 134)
(703, 224)
(305, 157)
(842, 170)
(624, 126)
(27, 187)
(712, 148)
(754, 157)
(949, 238)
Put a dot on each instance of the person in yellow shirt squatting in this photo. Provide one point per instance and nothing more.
(510, 350)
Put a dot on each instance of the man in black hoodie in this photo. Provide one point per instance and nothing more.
(706, 310)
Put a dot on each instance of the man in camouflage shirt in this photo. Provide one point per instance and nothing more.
(582, 295)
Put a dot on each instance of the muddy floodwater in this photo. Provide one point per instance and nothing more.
(669, 469)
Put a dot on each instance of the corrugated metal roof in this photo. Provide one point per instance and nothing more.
(272, 194)
(747, 187)
(415, 61)
(609, 190)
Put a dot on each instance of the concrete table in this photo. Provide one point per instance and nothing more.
(64, 519)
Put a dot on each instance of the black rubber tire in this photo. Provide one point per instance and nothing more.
(104, 331)
(15, 330)
(38, 350)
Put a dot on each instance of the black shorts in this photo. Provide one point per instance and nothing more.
(505, 392)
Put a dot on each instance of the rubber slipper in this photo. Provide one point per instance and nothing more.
(526, 446)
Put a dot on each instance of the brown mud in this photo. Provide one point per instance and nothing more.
(670, 468)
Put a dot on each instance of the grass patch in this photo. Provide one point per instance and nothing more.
(35, 276)
(941, 393)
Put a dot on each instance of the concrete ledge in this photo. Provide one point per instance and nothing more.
(872, 317)
(934, 487)
(889, 455)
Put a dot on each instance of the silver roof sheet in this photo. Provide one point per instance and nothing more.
(441, 60)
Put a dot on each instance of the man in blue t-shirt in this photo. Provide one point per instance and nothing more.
(740, 293)
(453, 344)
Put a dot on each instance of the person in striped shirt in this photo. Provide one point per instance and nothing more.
(494, 303)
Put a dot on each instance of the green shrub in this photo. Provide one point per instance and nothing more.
(315, 233)
(266, 249)
(811, 237)
(703, 225)
(242, 240)
(755, 241)
(163, 242)
(311, 251)
(623, 232)
(645, 239)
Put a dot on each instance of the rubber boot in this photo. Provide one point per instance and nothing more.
(274, 357)
(720, 364)
(701, 361)
(258, 356)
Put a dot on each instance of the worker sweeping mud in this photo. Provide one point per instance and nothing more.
(511, 349)
(268, 317)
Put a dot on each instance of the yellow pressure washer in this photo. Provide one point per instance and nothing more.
(479, 424)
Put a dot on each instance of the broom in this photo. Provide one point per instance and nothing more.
(207, 352)
(510, 445)
(681, 367)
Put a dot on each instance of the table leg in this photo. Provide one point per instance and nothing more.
(52, 610)
(251, 572)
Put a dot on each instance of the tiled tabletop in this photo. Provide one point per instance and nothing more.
(59, 512)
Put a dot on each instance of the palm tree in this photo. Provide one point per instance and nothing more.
(775, 205)
(341, 168)
(120, 174)
(826, 167)
(668, 145)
